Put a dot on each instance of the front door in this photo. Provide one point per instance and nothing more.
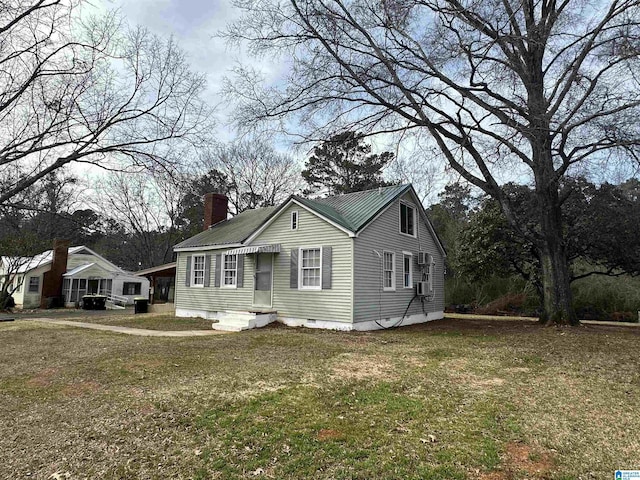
(262, 280)
(92, 287)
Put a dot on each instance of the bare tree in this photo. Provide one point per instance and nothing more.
(528, 89)
(19, 254)
(418, 164)
(93, 92)
(144, 210)
(257, 175)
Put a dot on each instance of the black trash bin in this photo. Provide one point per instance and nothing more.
(99, 302)
(94, 302)
(87, 302)
(141, 305)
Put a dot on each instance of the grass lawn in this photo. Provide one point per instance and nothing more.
(454, 399)
(148, 321)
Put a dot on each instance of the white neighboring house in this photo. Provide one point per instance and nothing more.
(86, 273)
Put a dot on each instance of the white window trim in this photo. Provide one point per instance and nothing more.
(29, 285)
(410, 255)
(392, 288)
(193, 271)
(223, 270)
(415, 215)
(300, 286)
(295, 214)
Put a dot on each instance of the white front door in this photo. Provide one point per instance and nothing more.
(263, 279)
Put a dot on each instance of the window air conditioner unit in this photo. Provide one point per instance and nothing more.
(422, 289)
(423, 258)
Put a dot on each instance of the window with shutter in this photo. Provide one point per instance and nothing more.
(230, 271)
(197, 271)
(310, 273)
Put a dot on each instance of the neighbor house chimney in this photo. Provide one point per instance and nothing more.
(215, 209)
(52, 280)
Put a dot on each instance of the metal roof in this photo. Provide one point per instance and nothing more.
(354, 210)
(231, 231)
(25, 264)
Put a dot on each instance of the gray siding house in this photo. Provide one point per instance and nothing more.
(361, 261)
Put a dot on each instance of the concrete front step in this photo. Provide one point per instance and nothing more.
(238, 321)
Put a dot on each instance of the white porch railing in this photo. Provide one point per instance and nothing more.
(116, 301)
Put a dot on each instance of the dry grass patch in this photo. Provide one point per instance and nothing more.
(81, 388)
(521, 458)
(451, 400)
(43, 378)
(329, 434)
(359, 366)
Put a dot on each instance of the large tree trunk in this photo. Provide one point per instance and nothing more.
(557, 300)
(555, 277)
(555, 274)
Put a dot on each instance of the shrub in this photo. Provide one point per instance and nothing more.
(6, 302)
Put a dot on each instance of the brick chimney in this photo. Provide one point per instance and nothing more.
(215, 209)
(52, 280)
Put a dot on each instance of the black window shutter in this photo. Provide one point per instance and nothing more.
(207, 270)
(326, 267)
(240, 274)
(187, 279)
(294, 268)
(218, 269)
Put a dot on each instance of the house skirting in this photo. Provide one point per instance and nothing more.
(362, 326)
(390, 322)
(323, 324)
(191, 312)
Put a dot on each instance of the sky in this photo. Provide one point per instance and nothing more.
(195, 24)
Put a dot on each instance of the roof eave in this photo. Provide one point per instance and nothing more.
(201, 248)
(384, 207)
(423, 213)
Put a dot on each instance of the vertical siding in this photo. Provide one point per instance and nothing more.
(211, 298)
(370, 301)
(334, 304)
